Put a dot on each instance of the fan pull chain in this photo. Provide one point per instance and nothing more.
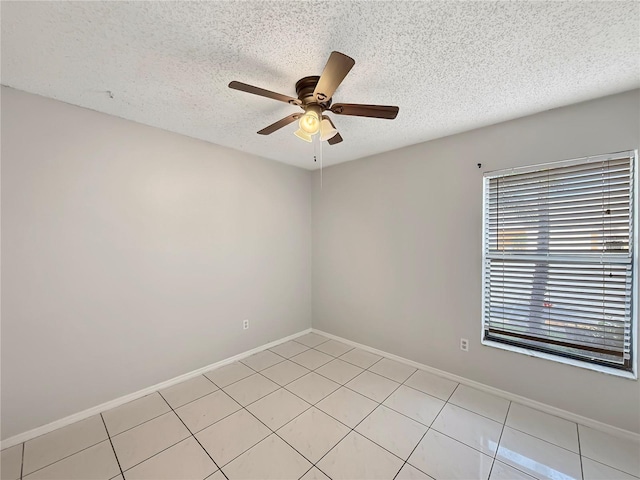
(317, 147)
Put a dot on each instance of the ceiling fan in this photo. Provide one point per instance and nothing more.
(314, 97)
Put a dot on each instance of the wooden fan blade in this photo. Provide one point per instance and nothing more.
(243, 87)
(335, 139)
(359, 110)
(279, 124)
(334, 72)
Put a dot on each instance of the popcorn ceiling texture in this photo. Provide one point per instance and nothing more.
(449, 66)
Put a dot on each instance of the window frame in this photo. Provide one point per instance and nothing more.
(629, 374)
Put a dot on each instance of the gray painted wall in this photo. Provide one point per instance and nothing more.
(131, 255)
(397, 251)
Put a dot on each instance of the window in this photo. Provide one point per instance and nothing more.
(559, 259)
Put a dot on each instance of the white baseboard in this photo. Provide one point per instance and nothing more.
(558, 412)
(76, 417)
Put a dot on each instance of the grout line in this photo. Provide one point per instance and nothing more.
(70, 455)
(112, 447)
(138, 424)
(197, 398)
(479, 414)
(276, 434)
(243, 407)
(193, 436)
(310, 468)
(409, 456)
(313, 405)
(22, 460)
(541, 439)
(235, 381)
(331, 354)
(159, 452)
(499, 439)
(612, 468)
(428, 426)
(353, 429)
(580, 452)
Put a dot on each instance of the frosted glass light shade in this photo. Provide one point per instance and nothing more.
(303, 135)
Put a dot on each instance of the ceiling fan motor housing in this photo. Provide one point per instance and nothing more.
(305, 88)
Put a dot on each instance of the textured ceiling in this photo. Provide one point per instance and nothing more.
(449, 66)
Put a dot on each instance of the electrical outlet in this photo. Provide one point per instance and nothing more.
(245, 324)
(464, 344)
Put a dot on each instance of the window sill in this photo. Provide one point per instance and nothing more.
(567, 361)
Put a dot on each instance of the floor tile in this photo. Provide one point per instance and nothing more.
(444, 458)
(544, 426)
(65, 441)
(229, 374)
(94, 463)
(278, 408)
(143, 441)
(284, 372)
(469, 428)
(311, 339)
(501, 471)
(261, 360)
(312, 359)
(593, 470)
(347, 406)
(334, 348)
(481, 403)
(188, 391)
(134, 413)
(432, 384)
(289, 349)
(207, 410)
(357, 458)
(231, 436)
(314, 474)
(615, 452)
(536, 457)
(411, 473)
(271, 459)
(185, 461)
(250, 389)
(11, 462)
(312, 387)
(313, 433)
(393, 431)
(373, 386)
(360, 358)
(414, 404)
(339, 371)
(394, 370)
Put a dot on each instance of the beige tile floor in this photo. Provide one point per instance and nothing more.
(315, 408)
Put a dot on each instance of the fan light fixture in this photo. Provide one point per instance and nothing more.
(310, 123)
(327, 130)
(303, 135)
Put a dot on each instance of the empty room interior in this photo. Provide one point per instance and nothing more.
(330, 240)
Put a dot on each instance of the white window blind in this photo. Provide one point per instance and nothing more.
(559, 260)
